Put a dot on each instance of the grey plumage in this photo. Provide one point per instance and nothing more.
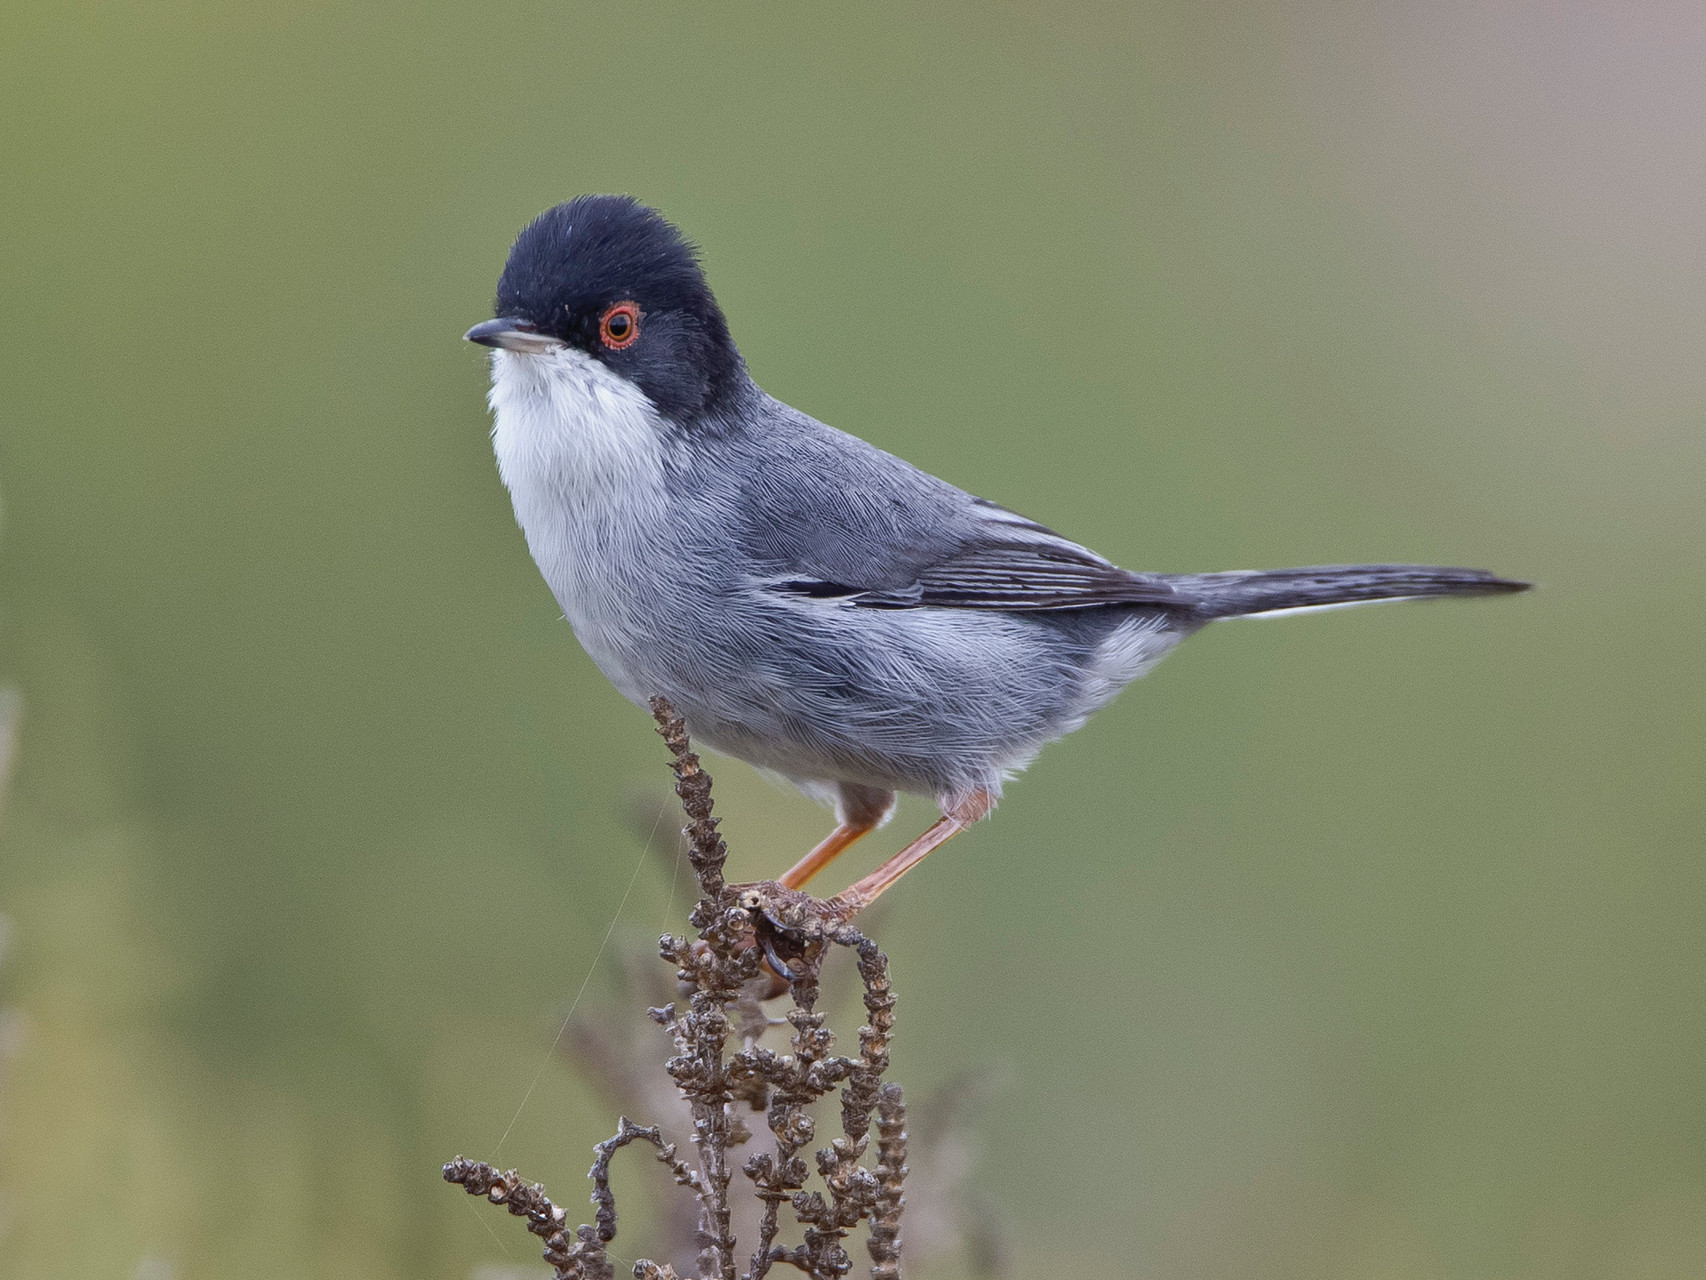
(1253, 592)
(807, 601)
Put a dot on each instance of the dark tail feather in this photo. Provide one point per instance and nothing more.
(1240, 594)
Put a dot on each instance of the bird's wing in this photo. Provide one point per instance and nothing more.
(862, 527)
(1039, 572)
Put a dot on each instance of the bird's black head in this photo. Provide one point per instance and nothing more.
(612, 278)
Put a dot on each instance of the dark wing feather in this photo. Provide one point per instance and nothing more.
(831, 517)
(1024, 576)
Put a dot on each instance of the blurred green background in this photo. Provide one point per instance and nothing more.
(1365, 945)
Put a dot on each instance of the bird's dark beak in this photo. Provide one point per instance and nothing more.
(512, 335)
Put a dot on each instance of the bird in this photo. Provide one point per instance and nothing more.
(806, 601)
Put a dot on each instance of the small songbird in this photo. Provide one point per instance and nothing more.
(808, 602)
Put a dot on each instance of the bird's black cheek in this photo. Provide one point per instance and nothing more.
(677, 392)
(671, 382)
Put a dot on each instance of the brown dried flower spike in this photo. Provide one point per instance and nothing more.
(737, 926)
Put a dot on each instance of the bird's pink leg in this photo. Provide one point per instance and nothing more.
(866, 890)
(796, 876)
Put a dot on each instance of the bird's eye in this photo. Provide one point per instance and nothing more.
(619, 326)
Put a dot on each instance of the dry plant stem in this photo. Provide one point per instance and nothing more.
(585, 1258)
(739, 924)
(626, 1132)
(705, 848)
(523, 1199)
(891, 1175)
(716, 973)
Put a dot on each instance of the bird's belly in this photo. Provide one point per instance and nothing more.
(926, 700)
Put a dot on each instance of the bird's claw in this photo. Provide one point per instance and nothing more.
(790, 927)
(784, 971)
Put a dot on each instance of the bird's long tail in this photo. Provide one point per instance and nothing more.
(1248, 593)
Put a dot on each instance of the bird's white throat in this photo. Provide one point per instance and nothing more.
(581, 451)
(573, 440)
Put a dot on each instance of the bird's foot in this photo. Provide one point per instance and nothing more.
(791, 927)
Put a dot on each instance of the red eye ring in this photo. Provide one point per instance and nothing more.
(619, 326)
